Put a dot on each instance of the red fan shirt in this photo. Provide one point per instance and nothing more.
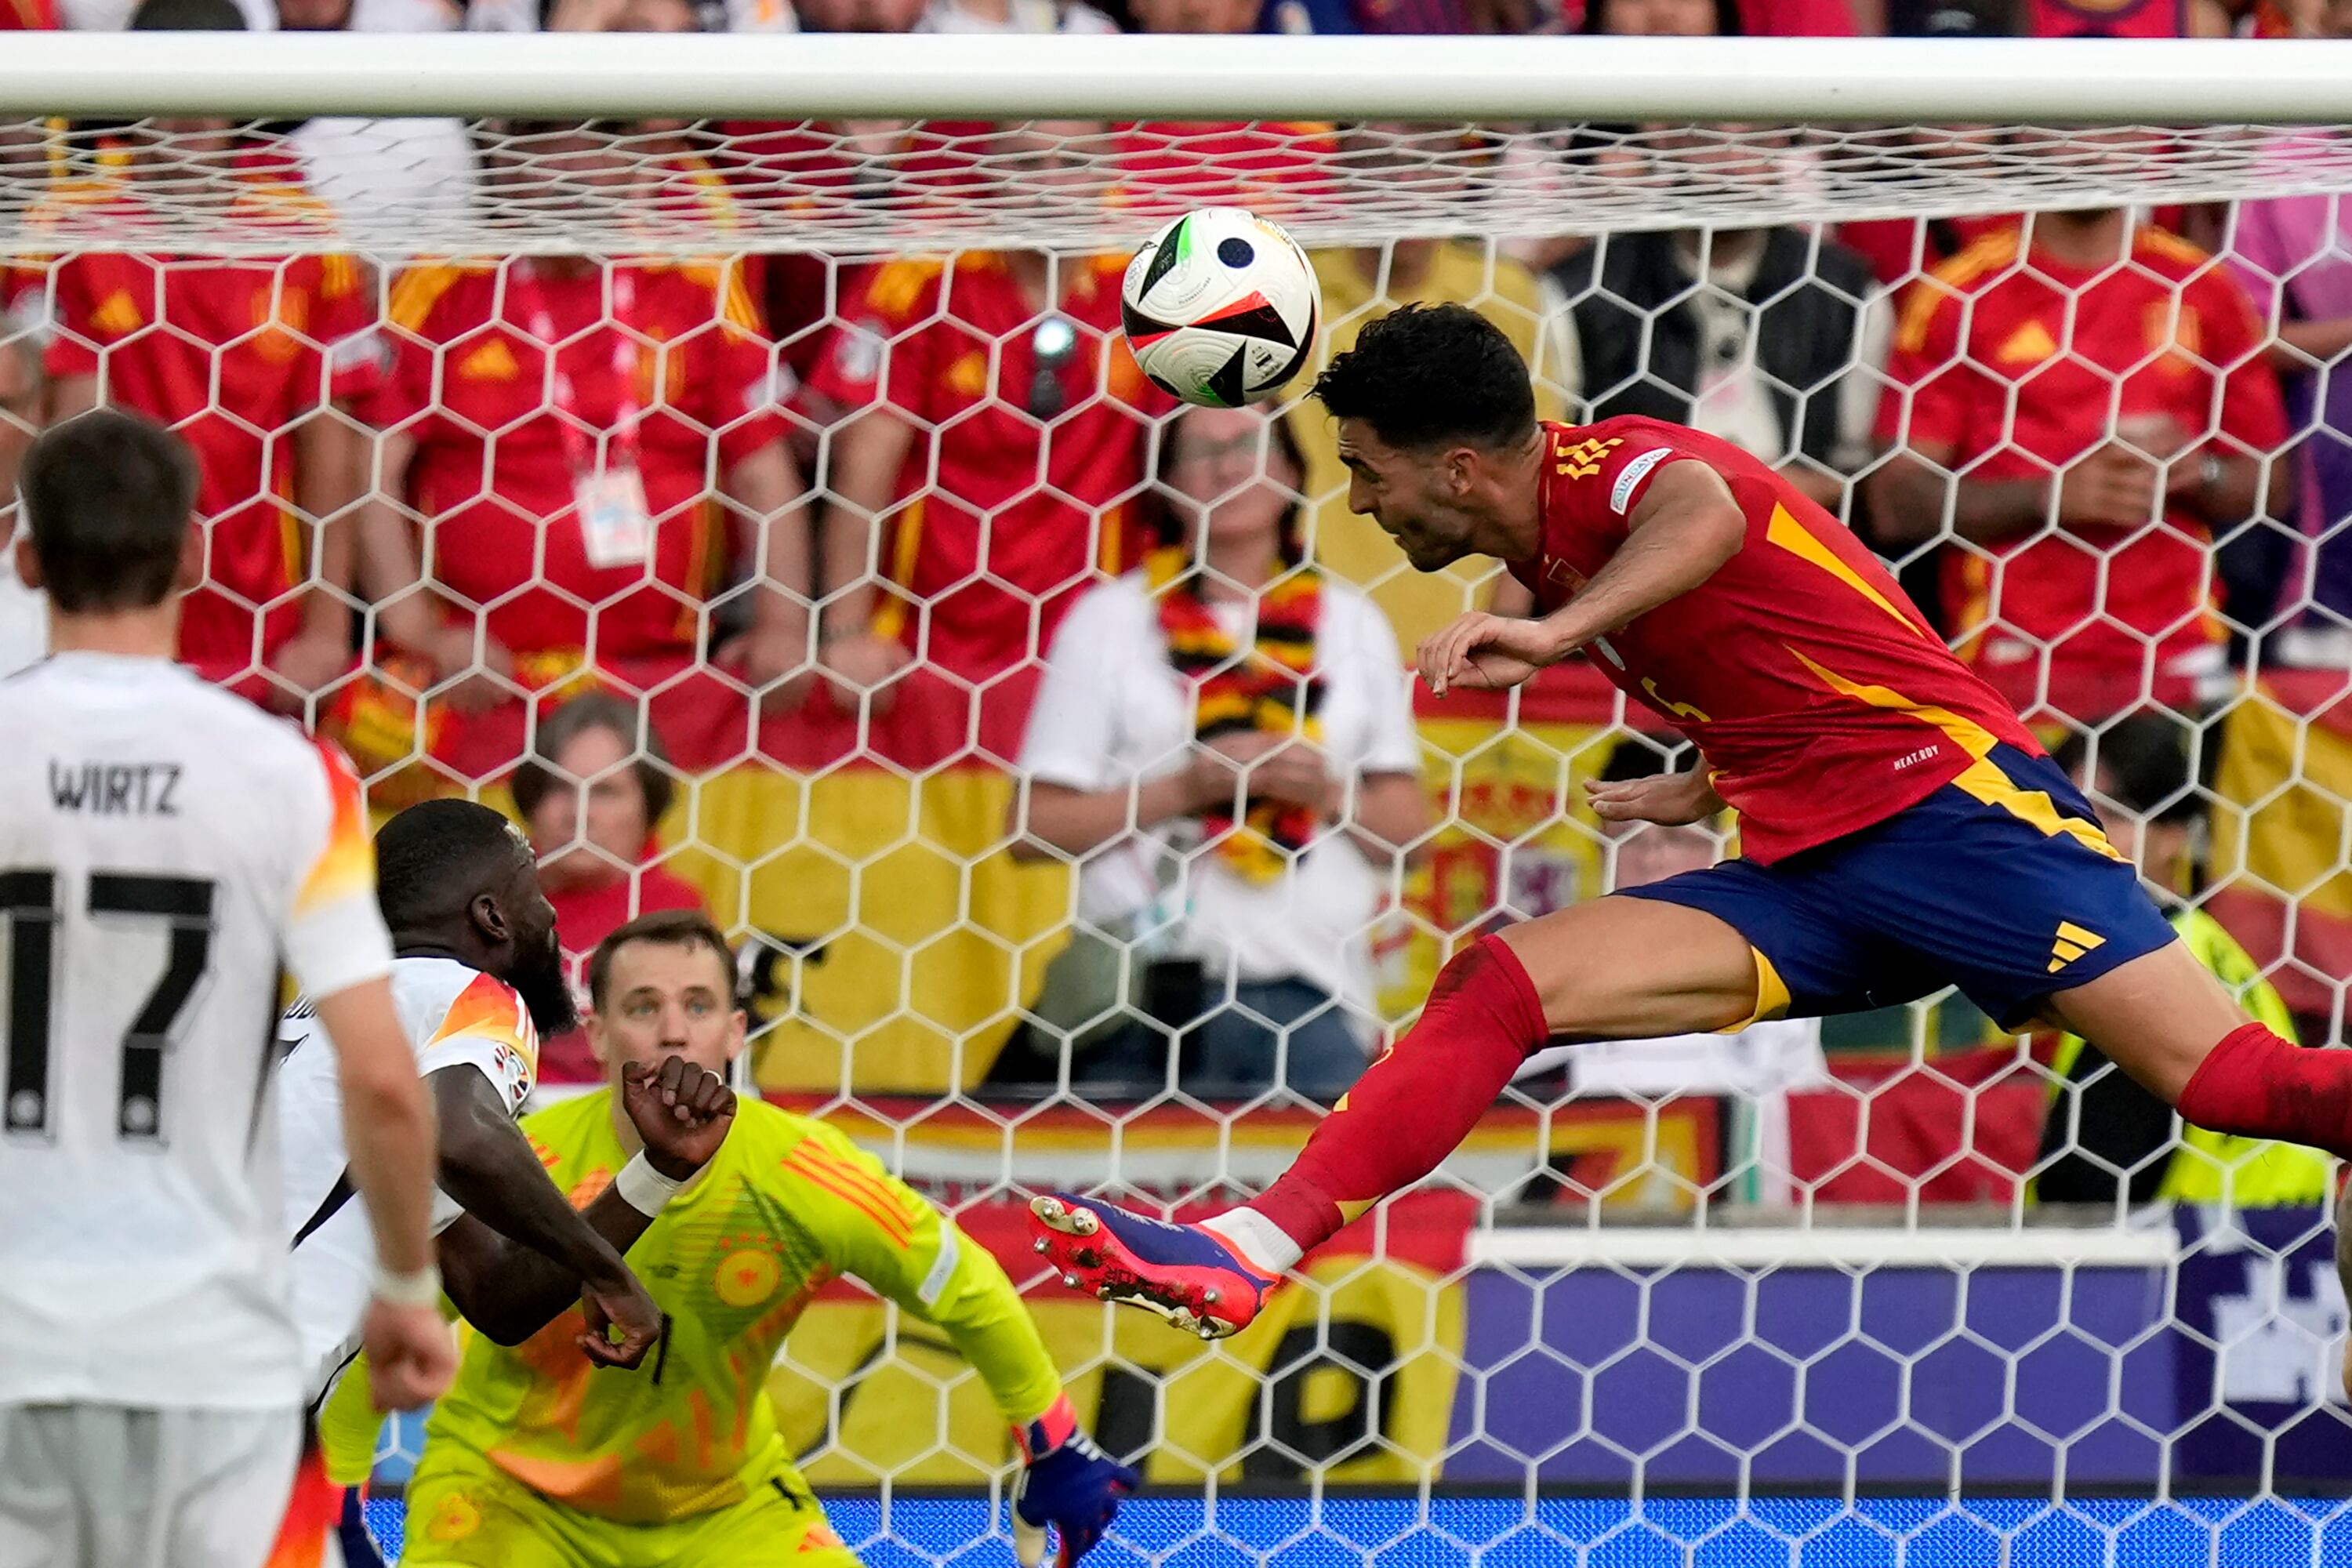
(2022, 364)
(1815, 691)
(1275, 168)
(1010, 515)
(499, 448)
(233, 353)
(586, 917)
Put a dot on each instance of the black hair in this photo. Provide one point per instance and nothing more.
(1728, 24)
(187, 16)
(1641, 756)
(434, 858)
(671, 928)
(108, 500)
(1166, 522)
(540, 774)
(1433, 376)
(2147, 761)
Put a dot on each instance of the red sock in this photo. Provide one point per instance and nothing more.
(1413, 1106)
(2255, 1084)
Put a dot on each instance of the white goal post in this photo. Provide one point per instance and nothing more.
(824, 75)
(1870, 109)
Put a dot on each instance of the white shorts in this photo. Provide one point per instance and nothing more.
(104, 1485)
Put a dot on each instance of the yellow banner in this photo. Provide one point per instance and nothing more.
(1517, 838)
(897, 938)
(1351, 1377)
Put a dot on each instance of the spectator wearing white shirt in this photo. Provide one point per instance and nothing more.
(1754, 1068)
(1224, 741)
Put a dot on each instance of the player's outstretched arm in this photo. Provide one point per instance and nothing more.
(510, 1291)
(1685, 529)
(388, 1133)
(489, 1167)
(873, 1225)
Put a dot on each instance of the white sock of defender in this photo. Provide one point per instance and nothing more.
(1257, 1240)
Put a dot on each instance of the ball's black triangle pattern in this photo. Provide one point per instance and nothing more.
(1298, 362)
(1227, 386)
(1262, 321)
(1164, 259)
(1138, 326)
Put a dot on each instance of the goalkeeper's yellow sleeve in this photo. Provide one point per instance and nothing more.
(348, 1424)
(876, 1228)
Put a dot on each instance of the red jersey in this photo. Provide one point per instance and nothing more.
(1903, 251)
(587, 916)
(2019, 370)
(233, 353)
(498, 462)
(29, 17)
(1272, 167)
(1818, 696)
(2107, 19)
(1010, 519)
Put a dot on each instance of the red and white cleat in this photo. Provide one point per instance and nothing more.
(1181, 1271)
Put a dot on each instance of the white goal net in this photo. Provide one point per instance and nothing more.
(2062, 342)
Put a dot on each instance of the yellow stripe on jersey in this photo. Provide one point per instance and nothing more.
(1954, 274)
(1794, 537)
(417, 291)
(1982, 778)
(346, 867)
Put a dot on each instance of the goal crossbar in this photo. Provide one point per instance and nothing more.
(840, 75)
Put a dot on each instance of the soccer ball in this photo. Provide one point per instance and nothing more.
(1219, 307)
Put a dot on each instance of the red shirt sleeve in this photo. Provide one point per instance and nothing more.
(735, 386)
(401, 388)
(74, 348)
(343, 324)
(881, 351)
(1599, 475)
(1932, 385)
(2253, 413)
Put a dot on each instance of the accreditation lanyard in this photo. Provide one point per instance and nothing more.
(609, 492)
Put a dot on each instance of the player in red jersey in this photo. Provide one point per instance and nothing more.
(1901, 830)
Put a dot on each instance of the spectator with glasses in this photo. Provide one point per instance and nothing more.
(1225, 744)
(995, 448)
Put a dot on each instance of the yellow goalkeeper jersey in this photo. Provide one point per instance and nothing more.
(787, 1205)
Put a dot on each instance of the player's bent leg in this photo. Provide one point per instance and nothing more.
(465, 1514)
(775, 1526)
(2167, 1022)
(1617, 968)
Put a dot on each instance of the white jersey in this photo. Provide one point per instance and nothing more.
(453, 1017)
(167, 853)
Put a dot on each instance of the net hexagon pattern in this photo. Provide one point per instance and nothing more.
(901, 566)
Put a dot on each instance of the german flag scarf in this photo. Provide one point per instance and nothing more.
(1271, 688)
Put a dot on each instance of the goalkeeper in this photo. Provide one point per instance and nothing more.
(532, 1460)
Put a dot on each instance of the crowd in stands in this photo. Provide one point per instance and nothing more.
(591, 530)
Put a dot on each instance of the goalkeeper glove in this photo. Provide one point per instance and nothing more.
(1065, 1482)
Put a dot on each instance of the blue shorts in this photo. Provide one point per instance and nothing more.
(2000, 883)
